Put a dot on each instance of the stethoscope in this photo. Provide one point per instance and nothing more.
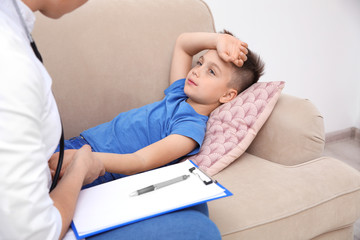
(38, 55)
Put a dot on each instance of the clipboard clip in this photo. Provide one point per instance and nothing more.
(202, 176)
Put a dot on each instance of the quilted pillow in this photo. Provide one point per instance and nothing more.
(233, 126)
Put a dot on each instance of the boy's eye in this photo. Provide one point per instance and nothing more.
(212, 72)
(198, 63)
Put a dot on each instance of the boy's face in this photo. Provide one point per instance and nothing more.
(208, 81)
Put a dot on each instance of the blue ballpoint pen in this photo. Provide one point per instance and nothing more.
(159, 185)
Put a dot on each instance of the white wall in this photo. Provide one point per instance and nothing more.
(313, 45)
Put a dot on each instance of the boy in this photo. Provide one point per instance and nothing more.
(160, 133)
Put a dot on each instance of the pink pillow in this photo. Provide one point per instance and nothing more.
(233, 126)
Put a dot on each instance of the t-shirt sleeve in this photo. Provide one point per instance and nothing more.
(192, 129)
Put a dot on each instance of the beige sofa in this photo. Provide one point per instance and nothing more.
(113, 55)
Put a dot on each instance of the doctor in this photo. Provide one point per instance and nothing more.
(30, 130)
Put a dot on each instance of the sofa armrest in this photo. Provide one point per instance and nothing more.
(271, 200)
(293, 134)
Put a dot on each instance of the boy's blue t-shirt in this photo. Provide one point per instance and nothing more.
(140, 127)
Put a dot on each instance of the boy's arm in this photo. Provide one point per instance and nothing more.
(229, 48)
(155, 155)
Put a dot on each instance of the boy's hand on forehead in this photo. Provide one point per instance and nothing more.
(231, 49)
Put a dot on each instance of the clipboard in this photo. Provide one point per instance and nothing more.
(108, 206)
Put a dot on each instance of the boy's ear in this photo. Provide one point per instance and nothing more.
(228, 96)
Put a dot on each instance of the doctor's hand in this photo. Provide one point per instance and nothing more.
(84, 156)
(68, 157)
(231, 49)
(85, 162)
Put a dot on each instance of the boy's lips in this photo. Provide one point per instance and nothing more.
(191, 82)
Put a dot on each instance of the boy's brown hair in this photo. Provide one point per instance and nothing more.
(253, 68)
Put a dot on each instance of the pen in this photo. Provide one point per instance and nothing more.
(159, 185)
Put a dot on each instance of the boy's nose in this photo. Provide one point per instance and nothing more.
(195, 72)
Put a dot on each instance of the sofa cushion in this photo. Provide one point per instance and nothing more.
(232, 126)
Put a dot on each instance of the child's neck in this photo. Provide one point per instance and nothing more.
(202, 108)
